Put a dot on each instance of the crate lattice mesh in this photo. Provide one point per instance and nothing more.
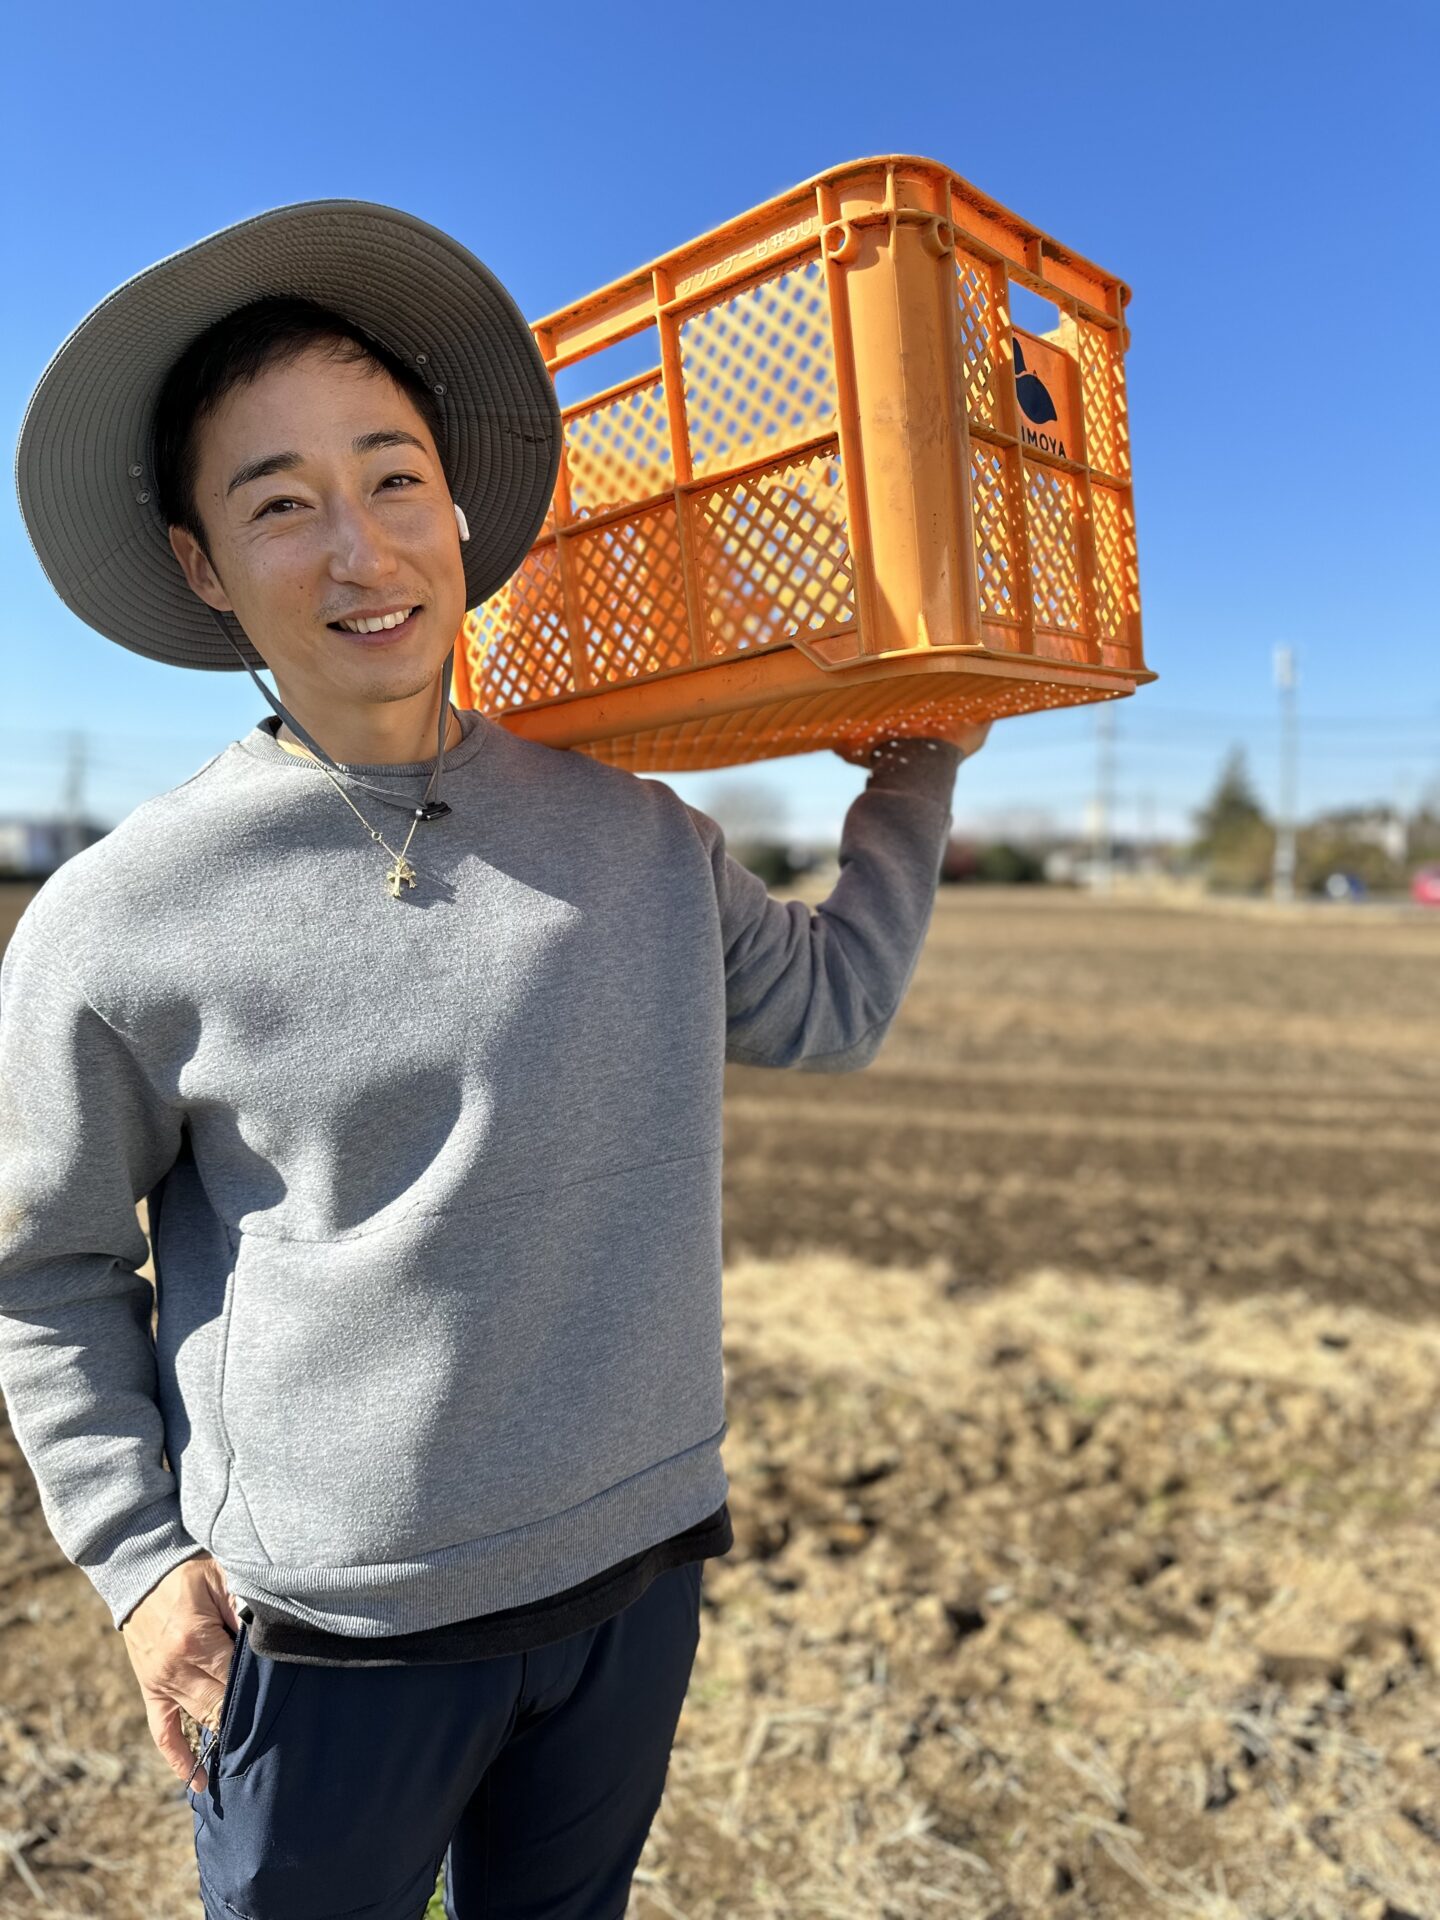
(517, 643)
(980, 313)
(632, 589)
(619, 452)
(813, 720)
(1102, 382)
(994, 546)
(774, 555)
(1117, 582)
(759, 370)
(1052, 507)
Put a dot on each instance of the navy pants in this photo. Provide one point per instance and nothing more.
(535, 1776)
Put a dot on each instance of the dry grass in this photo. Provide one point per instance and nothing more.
(1077, 1598)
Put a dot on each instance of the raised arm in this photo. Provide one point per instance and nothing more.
(818, 990)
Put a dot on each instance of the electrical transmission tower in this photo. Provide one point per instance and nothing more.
(1103, 805)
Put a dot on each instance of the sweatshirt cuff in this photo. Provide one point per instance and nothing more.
(141, 1560)
(916, 765)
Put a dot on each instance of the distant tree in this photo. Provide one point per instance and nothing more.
(1009, 865)
(752, 814)
(1425, 834)
(750, 810)
(1233, 807)
(1326, 847)
(768, 859)
(1235, 839)
(960, 861)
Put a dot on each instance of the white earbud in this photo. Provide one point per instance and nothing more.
(460, 520)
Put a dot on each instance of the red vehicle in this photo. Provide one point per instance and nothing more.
(1425, 886)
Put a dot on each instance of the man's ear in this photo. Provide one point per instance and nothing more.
(197, 569)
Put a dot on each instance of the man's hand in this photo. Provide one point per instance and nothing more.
(181, 1654)
(969, 737)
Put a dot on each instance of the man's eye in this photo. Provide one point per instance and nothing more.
(413, 479)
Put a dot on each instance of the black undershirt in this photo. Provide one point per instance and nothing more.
(513, 1630)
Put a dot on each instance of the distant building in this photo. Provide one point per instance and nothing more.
(33, 849)
(1078, 865)
(1383, 827)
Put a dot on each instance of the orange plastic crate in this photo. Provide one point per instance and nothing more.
(849, 498)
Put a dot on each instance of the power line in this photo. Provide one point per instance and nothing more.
(129, 733)
(1345, 721)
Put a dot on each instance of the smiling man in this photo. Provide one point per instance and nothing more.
(408, 1494)
(345, 558)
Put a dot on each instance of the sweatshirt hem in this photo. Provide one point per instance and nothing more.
(498, 1571)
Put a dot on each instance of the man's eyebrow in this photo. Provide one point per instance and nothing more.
(283, 462)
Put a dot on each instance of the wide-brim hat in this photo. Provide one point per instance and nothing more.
(83, 464)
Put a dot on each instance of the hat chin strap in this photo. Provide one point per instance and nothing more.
(431, 805)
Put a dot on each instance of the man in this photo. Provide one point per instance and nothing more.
(424, 1095)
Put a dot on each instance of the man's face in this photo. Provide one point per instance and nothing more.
(340, 530)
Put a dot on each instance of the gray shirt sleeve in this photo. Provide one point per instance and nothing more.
(818, 990)
(83, 1138)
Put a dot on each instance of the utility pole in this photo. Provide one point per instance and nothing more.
(1283, 877)
(1103, 804)
(72, 798)
(1405, 814)
(1147, 832)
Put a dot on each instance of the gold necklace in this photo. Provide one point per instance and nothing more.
(401, 873)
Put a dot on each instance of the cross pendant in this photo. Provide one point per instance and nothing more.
(401, 872)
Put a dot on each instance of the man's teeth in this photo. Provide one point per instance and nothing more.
(375, 626)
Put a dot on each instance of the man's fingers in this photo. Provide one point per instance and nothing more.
(201, 1692)
(169, 1737)
(203, 1706)
(217, 1667)
(181, 1638)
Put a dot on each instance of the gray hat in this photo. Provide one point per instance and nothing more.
(83, 464)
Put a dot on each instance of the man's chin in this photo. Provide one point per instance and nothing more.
(380, 672)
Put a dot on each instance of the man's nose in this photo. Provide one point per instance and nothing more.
(359, 547)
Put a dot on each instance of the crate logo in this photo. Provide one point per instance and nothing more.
(1033, 394)
(1044, 389)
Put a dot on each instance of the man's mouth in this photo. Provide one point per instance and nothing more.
(390, 627)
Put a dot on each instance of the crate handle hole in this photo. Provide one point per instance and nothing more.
(939, 237)
(842, 242)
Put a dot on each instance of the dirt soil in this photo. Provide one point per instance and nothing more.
(1082, 1362)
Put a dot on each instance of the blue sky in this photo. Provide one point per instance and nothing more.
(1260, 175)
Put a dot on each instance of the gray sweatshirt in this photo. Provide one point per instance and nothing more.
(434, 1182)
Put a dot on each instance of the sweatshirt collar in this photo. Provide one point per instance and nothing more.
(261, 744)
